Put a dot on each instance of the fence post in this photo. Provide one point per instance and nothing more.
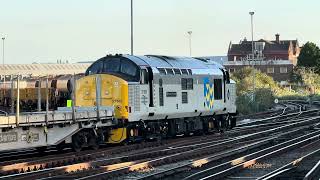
(39, 94)
(73, 98)
(12, 95)
(18, 101)
(47, 100)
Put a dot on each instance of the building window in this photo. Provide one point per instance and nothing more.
(283, 69)
(232, 70)
(270, 70)
(217, 83)
(186, 83)
(184, 97)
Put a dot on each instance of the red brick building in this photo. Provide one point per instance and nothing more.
(276, 58)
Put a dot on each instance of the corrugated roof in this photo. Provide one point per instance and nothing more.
(43, 69)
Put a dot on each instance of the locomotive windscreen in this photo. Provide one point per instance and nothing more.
(118, 66)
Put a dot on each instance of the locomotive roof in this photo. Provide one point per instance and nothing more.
(129, 71)
(173, 62)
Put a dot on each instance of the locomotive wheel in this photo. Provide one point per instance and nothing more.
(93, 142)
(76, 143)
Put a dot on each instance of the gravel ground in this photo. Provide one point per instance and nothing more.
(146, 172)
(269, 165)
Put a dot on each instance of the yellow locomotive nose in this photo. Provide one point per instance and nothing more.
(111, 91)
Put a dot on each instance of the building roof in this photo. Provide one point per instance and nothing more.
(264, 62)
(43, 69)
(245, 47)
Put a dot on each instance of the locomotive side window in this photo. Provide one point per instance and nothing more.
(186, 83)
(189, 83)
(217, 83)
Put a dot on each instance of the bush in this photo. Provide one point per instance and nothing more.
(264, 99)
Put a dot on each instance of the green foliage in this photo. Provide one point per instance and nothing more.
(264, 99)
(265, 89)
(308, 80)
(310, 56)
(244, 80)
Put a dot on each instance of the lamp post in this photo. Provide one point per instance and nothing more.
(3, 38)
(253, 60)
(131, 27)
(190, 36)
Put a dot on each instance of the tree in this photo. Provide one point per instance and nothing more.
(310, 56)
(244, 80)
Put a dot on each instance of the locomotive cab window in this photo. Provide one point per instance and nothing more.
(228, 77)
(118, 66)
(217, 83)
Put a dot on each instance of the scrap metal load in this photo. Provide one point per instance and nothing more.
(149, 97)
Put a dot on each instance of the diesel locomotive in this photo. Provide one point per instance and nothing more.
(151, 97)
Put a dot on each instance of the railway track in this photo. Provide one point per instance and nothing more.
(186, 167)
(27, 165)
(306, 166)
(223, 170)
(23, 154)
(106, 168)
(79, 165)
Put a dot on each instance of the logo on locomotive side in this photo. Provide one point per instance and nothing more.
(208, 93)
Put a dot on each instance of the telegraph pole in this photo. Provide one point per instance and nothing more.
(253, 60)
(131, 27)
(190, 43)
(4, 80)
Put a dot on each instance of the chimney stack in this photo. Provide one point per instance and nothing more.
(278, 38)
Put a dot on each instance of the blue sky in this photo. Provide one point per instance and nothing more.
(81, 30)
